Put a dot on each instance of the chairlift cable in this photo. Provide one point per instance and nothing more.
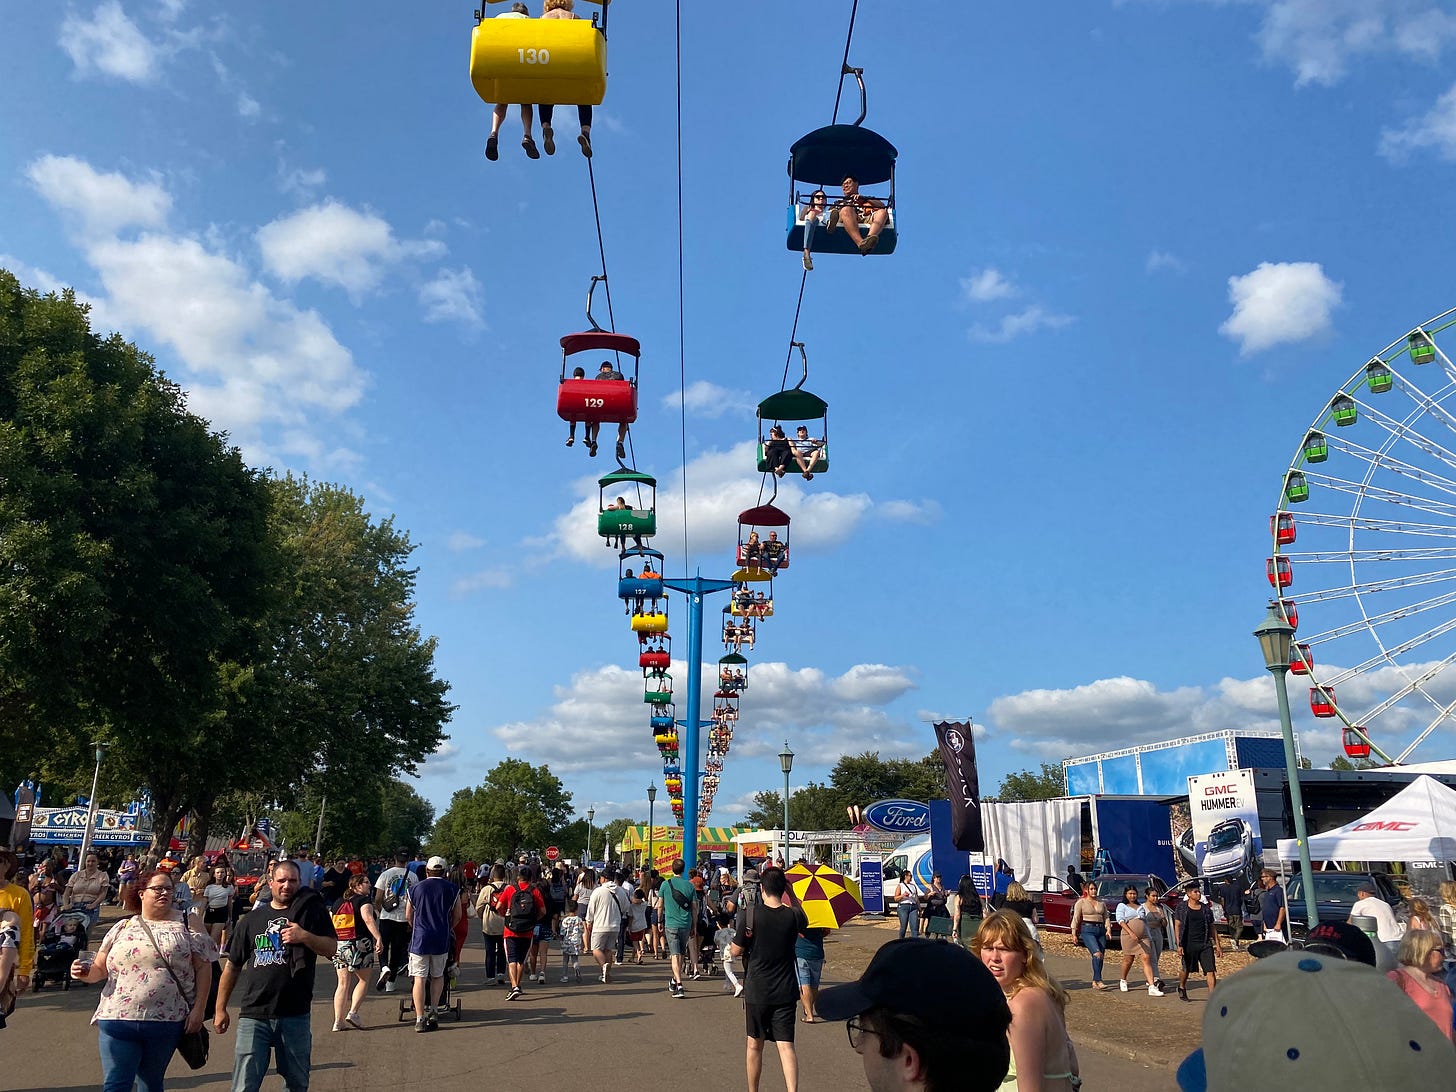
(681, 332)
(848, 39)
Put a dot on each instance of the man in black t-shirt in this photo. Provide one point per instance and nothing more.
(1195, 937)
(765, 936)
(273, 951)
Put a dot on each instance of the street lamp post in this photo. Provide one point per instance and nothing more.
(651, 804)
(1274, 634)
(591, 814)
(91, 807)
(786, 763)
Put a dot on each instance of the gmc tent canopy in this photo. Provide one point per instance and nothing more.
(1416, 824)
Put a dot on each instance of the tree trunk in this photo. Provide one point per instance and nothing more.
(201, 825)
(165, 815)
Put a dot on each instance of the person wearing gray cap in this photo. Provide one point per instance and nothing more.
(925, 1016)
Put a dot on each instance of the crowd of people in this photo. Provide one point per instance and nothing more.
(996, 1017)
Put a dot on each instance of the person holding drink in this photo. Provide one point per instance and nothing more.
(144, 1010)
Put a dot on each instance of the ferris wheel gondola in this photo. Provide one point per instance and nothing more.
(1364, 545)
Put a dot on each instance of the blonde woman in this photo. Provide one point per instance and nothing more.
(1418, 974)
(1042, 1056)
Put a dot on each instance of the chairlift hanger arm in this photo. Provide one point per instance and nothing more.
(858, 74)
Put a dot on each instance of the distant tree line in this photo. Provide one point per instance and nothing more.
(230, 634)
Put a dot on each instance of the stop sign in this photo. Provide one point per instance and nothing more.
(552, 853)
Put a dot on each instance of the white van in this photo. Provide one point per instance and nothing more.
(912, 856)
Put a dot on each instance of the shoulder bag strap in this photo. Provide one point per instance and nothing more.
(175, 980)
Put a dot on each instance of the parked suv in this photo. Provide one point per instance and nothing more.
(1334, 894)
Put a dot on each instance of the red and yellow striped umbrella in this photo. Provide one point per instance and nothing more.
(829, 898)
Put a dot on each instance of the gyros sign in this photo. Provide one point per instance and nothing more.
(905, 817)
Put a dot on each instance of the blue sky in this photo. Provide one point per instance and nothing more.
(1142, 244)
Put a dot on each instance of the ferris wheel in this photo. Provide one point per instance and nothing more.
(1364, 549)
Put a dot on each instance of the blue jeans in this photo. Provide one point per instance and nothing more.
(1094, 937)
(136, 1052)
(906, 908)
(290, 1040)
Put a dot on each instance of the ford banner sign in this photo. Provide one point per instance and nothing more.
(904, 817)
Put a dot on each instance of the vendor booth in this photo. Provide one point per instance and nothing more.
(1416, 824)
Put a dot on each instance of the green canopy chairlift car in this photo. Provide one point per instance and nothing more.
(789, 409)
(619, 519)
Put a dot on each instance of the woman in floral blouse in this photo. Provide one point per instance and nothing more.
(142, 1013)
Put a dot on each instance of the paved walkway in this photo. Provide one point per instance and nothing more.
(49, 1045)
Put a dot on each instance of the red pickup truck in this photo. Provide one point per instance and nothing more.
(1058, 899)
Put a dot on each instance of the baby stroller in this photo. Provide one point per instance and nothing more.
(64, 939)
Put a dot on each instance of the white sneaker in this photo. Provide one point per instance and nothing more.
(500, 980)
(564, 978)
(1122, 985)
(1153, 991)
(337, 1026)
(389, 986)
(353, 1021)
(738, 990)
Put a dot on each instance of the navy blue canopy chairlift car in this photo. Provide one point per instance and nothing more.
(822, 160)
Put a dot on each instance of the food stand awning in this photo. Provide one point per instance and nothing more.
(710, 839)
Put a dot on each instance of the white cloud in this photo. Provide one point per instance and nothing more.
(299, 180)
(1279, 303)
(1320, 39)
(985, 286)
(599, 723)
(707, 399)
(109, 43)
(253, 361)
(460, 541)
(1435, 130)
(923, 512)
(481, 581)
(1028, 321)
(248, 106)
(338, 245)
(1160, 260)
(1110, 714)
(102, 203)
(454, 295)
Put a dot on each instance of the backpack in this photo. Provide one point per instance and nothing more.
(397, 891)
(490, 918)
(521, 910)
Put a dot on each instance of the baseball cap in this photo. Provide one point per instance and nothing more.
(964, 994)
(436, 864)
(1303, 1020)
(1341, 940)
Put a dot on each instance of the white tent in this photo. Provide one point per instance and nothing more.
(1416, 824)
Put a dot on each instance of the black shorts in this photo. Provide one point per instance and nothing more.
(1200, 959)
(517, 948)
(215, 916)
(772, 1022)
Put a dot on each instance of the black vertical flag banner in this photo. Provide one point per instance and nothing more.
(962, 785)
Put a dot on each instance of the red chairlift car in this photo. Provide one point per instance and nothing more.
(1321, 701)
(598, 400)
(1355, 746)
(1280, 572)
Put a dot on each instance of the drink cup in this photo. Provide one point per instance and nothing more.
(84, 959)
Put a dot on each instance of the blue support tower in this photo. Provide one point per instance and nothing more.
(695, 589)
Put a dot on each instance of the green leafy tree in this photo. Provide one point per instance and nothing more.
(864, 778)
(1344, 762)
(1032, 784)
(389, 816)
(814, 807)
(518, 806)
(345, 695)
(133, 557)
(612, 835)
